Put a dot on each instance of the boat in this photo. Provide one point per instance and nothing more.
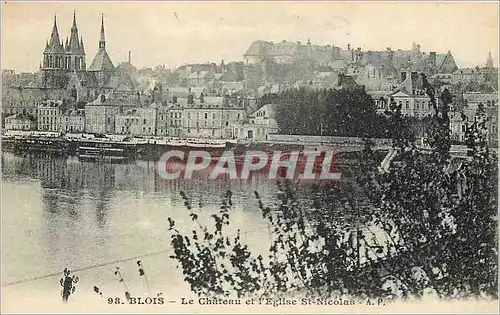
(105, 150)
(207, 144)
(38, 144)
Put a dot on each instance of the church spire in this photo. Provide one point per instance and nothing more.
(74, 40)
(81, 45)
(54, 44)
(101, 61)
(74, 20)
(54, 37)
(102, 41)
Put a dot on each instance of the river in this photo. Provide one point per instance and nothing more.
(59, 212)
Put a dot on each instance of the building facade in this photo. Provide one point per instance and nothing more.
(259, 126)
(100, 116)
(20, 122)
(60, 58)
(49, 115)
(72, 121)
(139, 121)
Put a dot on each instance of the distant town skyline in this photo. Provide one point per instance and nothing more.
(172, 33)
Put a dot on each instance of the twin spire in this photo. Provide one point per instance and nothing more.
(75, 43)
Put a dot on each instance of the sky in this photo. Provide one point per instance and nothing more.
(173, 33)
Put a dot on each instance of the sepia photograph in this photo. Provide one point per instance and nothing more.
(249, 157)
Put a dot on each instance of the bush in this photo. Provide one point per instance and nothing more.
(425, 224)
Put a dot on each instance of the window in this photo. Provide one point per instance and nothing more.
(407, 104)
(144, 121)
(213, 115)
(189, 115)
(206, 115)
(417, 104)
(197, 115)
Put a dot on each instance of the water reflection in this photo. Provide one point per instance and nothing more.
(60, 212)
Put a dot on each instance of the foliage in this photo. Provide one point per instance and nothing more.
(344, 112)
(444, 214)
(426, 225)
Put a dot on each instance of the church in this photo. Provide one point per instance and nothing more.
(64, 66)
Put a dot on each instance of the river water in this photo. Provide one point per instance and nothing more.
(59, 212)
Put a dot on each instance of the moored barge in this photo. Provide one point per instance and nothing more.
(105, 150)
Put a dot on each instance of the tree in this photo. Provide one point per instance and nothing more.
(425, 226)
(344, 112)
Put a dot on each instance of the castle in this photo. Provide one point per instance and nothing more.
(280, 62)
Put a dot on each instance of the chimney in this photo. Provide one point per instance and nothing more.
(129, 57)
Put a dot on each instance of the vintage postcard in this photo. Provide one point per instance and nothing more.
(249, 157)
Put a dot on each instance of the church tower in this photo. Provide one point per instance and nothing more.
(60, 59)
(53, 59)
(74, 50)
(102, 65)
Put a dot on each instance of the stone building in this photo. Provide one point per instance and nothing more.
(20, 122)
(212, 117)
(60, 58)
(259, 126)
(72, 121)
(64, 66)
(49, 115)
(100, 116)
(137, 121)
